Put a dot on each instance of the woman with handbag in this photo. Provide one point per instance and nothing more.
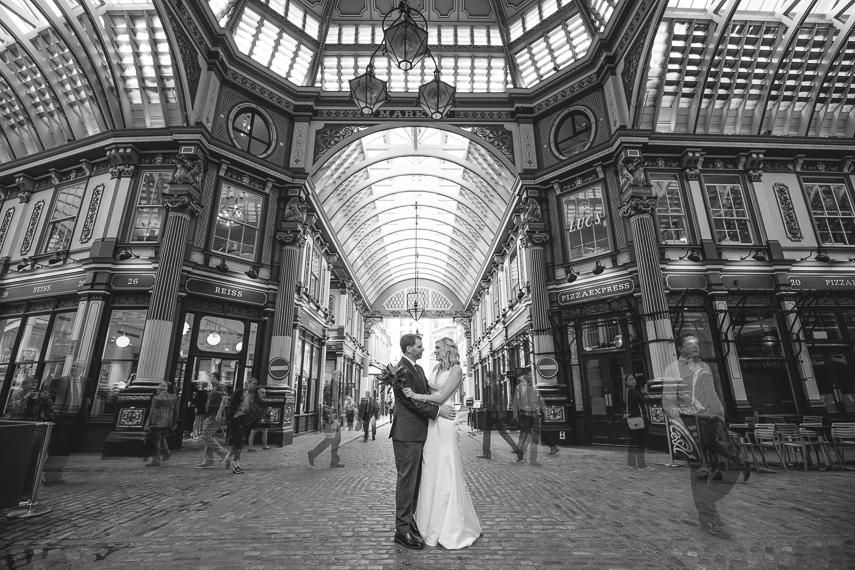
(637, 421)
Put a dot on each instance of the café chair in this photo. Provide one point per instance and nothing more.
(793, 440)
(817, 442)
(842, 436)
(742, 444)
(766, 437)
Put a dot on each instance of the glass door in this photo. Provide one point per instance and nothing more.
(603, 381)
(833, 372)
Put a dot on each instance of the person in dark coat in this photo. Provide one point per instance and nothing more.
(200, 403)
(635, 408)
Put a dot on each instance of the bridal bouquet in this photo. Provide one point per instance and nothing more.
(390, 376)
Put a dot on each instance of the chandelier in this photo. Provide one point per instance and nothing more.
(405, 42)
(413, 308)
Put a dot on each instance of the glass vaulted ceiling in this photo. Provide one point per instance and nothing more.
(369, 191)
(477, 50)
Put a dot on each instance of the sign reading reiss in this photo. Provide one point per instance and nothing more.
(596, 291)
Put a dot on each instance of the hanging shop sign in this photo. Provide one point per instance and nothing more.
(827, 282)
(133, 281)
(41, 289)
(678, 281)
(547, 367)
(596, 291)
(226, 292)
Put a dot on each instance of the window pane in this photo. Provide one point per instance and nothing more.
(238, 217)
(670, 210)
(64, 217)
(60, 344)
(833, 213)
(585, 223)
(8, 332)
(33, 338)
(217, 334)
(729, 212)
(147, 217)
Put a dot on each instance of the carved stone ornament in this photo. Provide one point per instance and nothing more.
(535, 239)
(788, 212)
(92, 213)
(636, 206)
(693, 173)
(295, 211)
(182, 204)
(122, 171)
(297, 238)
(531, 211)
(31, 229)
(189, 171)
(4, 226)
(755, 175)
(23, 196)
(631, 172)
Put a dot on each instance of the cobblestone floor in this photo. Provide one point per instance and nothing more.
(583, 509)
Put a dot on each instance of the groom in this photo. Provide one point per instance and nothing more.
(409, 431)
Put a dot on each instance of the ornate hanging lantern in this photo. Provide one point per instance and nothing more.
(406, 42)
(436, 97)
(368, 91)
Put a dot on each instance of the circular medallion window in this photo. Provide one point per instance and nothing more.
(252, 131)
(574, 133)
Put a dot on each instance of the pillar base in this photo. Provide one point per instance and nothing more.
(132, 409)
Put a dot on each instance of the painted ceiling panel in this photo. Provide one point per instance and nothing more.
(371, 189)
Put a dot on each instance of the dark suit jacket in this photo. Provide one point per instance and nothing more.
(411, 418)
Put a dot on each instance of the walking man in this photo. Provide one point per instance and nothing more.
(332, 437)
(214, 417)
(161, 419)
(367, 413)
(495, 418)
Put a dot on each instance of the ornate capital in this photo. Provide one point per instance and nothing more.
(692, 173)
(295, 211)
(534, 239)
(530, 211)
(636, 206)
(756, 175)
(122, 171)
(295, 238)
(332, 258)
(631, 171)
(25, 186)
(182, 205)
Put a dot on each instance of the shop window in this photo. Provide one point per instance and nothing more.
(585, 223)
(238, 220)
(309, 369)
(61, 223)
(44, 358)
(573, 133)
(601, 335)
(729, 210)
(218, 334)
(315, 273)
(251, 132)
(16, 403)
(671, 209)
(849, 323)
(820, 325)
(148, 210)
(119, 359)
(833, 213)
(765, 372)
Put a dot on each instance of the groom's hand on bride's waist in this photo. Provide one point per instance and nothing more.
(447, 412)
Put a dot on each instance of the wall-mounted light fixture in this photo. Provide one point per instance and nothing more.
(820, 256)
(571, 275)
(758, 255)
(691, 255)
(598, 268)
(223, 267)
(125, 254)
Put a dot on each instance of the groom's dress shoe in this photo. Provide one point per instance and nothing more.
(409, 541)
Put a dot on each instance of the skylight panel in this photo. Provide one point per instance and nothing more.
(219, 8)
(245, 33)
(480, 36)
(495, 37)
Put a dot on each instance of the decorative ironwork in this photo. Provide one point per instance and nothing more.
(31, 229)
(331, 135)
(91, 214)
(130, 418)
(788, 212)
(4, 226)
(498, 137)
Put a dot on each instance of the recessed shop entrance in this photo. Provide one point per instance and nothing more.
(832, 368)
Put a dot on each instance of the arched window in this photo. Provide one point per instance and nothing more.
(573, 133)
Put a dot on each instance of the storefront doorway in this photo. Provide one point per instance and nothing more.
(832, 368)
(603, 377)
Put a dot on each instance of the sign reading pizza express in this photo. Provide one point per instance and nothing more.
(596, 291)
(822, 281)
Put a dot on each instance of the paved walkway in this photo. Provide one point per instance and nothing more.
(583, 509)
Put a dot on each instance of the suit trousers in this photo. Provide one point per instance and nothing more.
(496, 421)
(708, 438)
(408, 462)
(326, 442)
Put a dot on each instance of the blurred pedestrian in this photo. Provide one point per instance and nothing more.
(200, 403)
(349, 412)
(162, 418)
(242, 416)
(495, 416)
(367, 414)
(215, 410)
(331, 438)
(638, 422)
(259, 425)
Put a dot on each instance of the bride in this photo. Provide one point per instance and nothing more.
(444, 514)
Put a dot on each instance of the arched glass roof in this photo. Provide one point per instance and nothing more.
(480, 46)
(369, 190)
(753, 67)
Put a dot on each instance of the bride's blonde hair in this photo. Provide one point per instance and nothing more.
(448, 354)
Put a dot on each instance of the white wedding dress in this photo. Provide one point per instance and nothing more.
(444, 514)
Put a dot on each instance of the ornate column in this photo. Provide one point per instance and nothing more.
(638, 202)
(533, 236)
(181, 202)
(292, 236)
